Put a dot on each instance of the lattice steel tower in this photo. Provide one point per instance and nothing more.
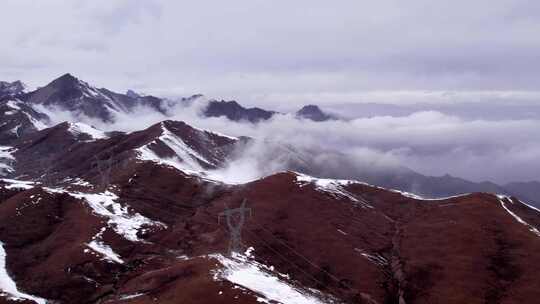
(235, 221)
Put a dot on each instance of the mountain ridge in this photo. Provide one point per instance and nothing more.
(85, 99)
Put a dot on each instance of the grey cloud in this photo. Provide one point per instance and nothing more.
(306, 47)
(430, 142)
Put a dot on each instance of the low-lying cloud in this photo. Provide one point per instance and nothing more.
(428, 142)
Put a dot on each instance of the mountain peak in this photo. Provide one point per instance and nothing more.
(311, 107)
(66, 80)
(68, 75)
(313, 112)
(132, 94)
(232, 110)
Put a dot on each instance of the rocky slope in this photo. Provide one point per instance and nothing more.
(18, 119)
(71, 94)
(528, 191)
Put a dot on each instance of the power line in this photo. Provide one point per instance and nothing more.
(236, 242)
(300, 255)
(284, 258)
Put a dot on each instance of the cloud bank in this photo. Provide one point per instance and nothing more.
(429, 142)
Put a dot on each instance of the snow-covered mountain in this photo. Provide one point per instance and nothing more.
(18, 119)
(20, 115)
(80, 98)
(153, 216)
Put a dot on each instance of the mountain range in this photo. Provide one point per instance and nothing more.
(88, 216)
(71, 94)
(20, 115)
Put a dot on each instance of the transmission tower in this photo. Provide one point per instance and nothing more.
(104, 168)
(235, 219)
(46, 167)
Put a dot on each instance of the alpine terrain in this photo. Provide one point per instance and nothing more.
(107, 216)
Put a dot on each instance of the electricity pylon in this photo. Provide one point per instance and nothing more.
(235, 221)
(104, 168)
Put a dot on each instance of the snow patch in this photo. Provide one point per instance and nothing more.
(421, 198)
(247, 273)
(119, 218)
(13, 104)
(18, 184)
(530, 206)
(502, 198)
(7, 152)
(81, 128)
(374, 258)
(342, 232)
(131, 296)
(334, 187)
(79, 182)
(408, 194)
(39, 125)
(215, 133)
(106, 251)
(6, 160)
(9, 287)
(183, 161)
(123, 223)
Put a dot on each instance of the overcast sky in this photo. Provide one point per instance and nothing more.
(280, 53)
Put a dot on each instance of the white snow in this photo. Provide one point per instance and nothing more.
(342, 232)
(502, 198)
(39, 125)
(81, 128)
(106, 251)
(334, 187)
(145, 153)
(120, 219)
(9, 287)
(186, 159)
(374, 258)
(131, 296)
(90, 91)
(6, 159)
(182, 150)
(408, 194)
(242, 270)
(79, 182)
(420, 198)
(18, 184)
(216, 133)
(530, 206)
(13, 104)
